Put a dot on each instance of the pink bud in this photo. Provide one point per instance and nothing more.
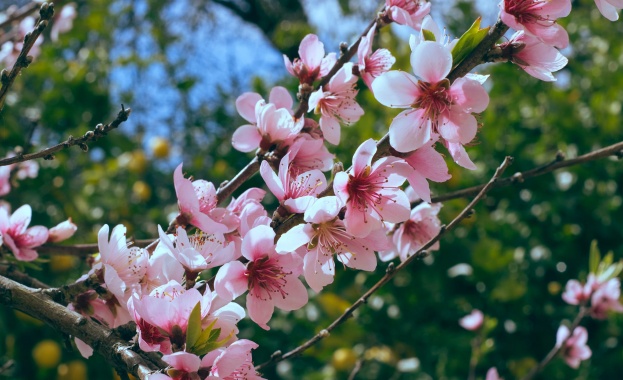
(472, 321)
(62, 231)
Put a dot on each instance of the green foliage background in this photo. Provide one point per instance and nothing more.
(523, 243)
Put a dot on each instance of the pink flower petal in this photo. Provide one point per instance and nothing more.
(246, 138)
(296, 295)
(311, 51)
(395, 89)
(281, 98)
(231, 281)
(294, 238)
(258, 243)
(409, 130)
(431, 61)
(260, 311)
(245, 105)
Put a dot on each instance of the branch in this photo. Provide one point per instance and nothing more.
(82, 250)
(556, 349)
(23, 60)
(390, 273)
(20, 14)
(8, 270)
(557, 163)
(94, 135)
(106, 343)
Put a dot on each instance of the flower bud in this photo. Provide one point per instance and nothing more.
(62, 231)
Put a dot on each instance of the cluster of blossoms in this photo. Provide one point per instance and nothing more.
(365, 209)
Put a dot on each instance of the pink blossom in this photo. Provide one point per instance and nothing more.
(308, 153)
(336, 103)
(296, 194)
(414, 233)
(407, 12)
(325, 235)
(372, 193)
(574, 349)
(436, 108)
(233, 362)
(5, 179)
(427, 163)
(372, 65)
(606, 299)
(472, 321)
(576, 293)
(62, 231)
(313, 64)
(17, 236)
(609, 8)
(492, 374)
(10, 50)
(196, 201)
(272, 279)
(533, 56)
(162, 268)
(538, 18)
(64, 21)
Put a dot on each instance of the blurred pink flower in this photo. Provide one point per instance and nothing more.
(606, 299)
(17, 236)
(609, 8)
(62, 231)
(538, 17)
(533, 56)
(472, 321)
(312, 63)
(574, 349)
(407, 12)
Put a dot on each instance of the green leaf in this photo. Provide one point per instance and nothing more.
(468, 42)
(193, 331)
(428, 35)
(594, 257)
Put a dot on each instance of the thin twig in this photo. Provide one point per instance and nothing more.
(20, 14)
(556, 349)
(94, 135)
(82, 250)
(356, 370)
(390, 273)
(23, 60)
(68, 293)
(9, 270)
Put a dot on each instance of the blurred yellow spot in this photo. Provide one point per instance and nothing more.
(332, 304)
(74, 370)
(141, 190)
(27, 318)
(62, 263)
(47, 354)
(160, 147)
(380, 353)
(343, 359)
(553, 288)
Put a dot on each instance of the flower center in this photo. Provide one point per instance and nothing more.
(410, 6)
(524, 11)
(434, 98)
(266, 276)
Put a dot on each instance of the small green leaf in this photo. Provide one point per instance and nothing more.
(594, 257)
(468, 42)
(194, 326)
(428, 35)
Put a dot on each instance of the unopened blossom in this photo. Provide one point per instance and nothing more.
(64, 21)
(407, 12)
(245, 103)
(371, 192)
(435, 107)
(533, 56)
(233, 362)
(538, 18)
(17, 236)
(324, 236)
(427, 164)
(336, 103)
(472, 321)
(296, 194)
(574, 350)
(312, 63)
(371, 65)
(609, 8)
(62, 231)
(271, 278)
(196, 201)
(410, 236)
(606, 299)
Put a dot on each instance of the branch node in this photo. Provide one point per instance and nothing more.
(89, 135)
(323, 333)
(390, 268)
(4, 77)
(343, 48)
(518, 177)
(84, 147)
(560, 156)
(276, 355)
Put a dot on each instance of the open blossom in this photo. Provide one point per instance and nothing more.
(538, 17)
(411, 235)
(371, 192)
(17, 236)
(233, 362)
(312, 63)
(609, 8)
(271, 278)
(323, 236)
(472, 321)
(336, 103)
(436, 108)
(371, 65)
(574, 349)
(606, 299)
(308, 153)
(296, 194)
(576, 293)
(427, 164)
(196, 201)
(533, 56)
(407, 12)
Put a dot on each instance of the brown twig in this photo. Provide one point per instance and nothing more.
(107, 344)
(556, 349)
(9, 270)
(356, 369)
(390, 273)
(20, 14)
(82, 250)
(23, 60)
(94, 135)
(68, 293)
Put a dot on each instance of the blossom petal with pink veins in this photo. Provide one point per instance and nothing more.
(555, 8)
(458, 153)
(115, 284)
(85, 350)
(274, 183)
(469, 95)
(183, 360)
(430, 163)
(363, 155)
(246, 138)
(281, 98)
(400, 16)
(431, 61)
(554, 35)
(318, 274)
(300, 204)
(20, 220)
(608, 10)
(419, 185)
(231, 281)
(340, 186)
(260, 311)
(395, 89)
(296, 295)
(311, 51)
(258, 242)
(429, 24)
(295, 238)
(245, 105)
(360, 224)
(409, 130)
(331, 130)
(288, 65)
(365, 47)
(361, 256)
(186, 196)
(323, 210)
(33, 237)
(458, 127)
(397, 210)
(26, 254)
(327, 64)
